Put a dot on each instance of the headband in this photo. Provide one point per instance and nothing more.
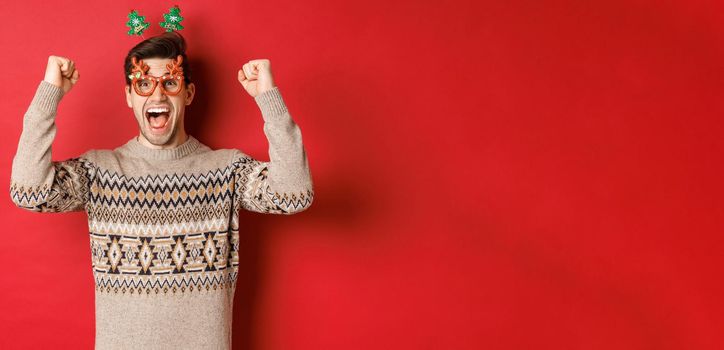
(171, 21)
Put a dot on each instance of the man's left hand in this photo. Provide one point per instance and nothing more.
(256, 77)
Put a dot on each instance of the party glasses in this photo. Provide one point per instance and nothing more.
(144, 84)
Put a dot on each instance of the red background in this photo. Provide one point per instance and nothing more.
(488, 175)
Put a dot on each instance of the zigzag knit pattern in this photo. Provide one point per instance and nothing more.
(161, 233)
(67, 192)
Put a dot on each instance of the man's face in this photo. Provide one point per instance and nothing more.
(160, 117)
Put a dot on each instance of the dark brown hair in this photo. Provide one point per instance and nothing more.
(166, 45)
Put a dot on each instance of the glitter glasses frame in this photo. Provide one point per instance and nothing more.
(140, 70)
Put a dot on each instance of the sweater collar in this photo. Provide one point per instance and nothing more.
(137, 149)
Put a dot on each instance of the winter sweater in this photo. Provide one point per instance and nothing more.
(163, 223)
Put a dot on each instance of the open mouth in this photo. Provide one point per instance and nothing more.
(158, 117)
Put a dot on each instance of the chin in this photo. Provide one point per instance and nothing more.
(159, 139)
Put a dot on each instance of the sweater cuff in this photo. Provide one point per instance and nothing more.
(271, 104)
(47, 97)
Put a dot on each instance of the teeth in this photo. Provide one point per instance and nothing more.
(158, 110)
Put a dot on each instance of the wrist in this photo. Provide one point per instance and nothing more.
(271, 104)
(47, 96)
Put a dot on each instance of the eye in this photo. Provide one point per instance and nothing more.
(170, 83)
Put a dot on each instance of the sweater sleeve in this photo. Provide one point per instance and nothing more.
(37, 183)
(284, 184)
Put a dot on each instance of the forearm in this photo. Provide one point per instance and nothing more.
(284, 184)
(32, 164)
(37, 183)
(288, 166)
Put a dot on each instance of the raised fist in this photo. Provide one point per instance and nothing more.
(256, 76)
(61, 72)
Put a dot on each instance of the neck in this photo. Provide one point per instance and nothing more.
(174, 142)
(135, 148)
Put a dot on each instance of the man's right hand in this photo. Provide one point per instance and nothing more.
(61, 72)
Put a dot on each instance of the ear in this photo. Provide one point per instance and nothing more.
(190, 92)
(128, 96)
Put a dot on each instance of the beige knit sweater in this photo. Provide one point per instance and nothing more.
(163, 224)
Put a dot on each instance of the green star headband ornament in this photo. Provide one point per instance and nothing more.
(172, 20)
(137, 23)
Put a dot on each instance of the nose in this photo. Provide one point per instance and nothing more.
(158, 94)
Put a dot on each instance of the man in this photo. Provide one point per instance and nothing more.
(162, 208)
